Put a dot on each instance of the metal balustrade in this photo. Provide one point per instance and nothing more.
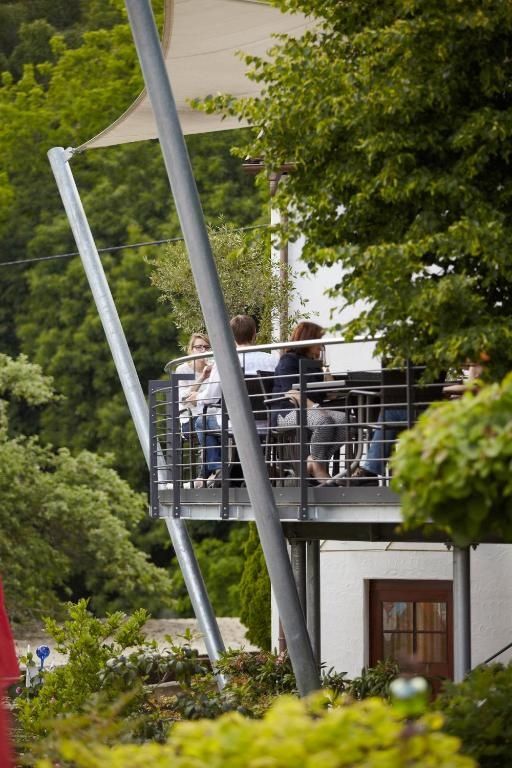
(377, 404)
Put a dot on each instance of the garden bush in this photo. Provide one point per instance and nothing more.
(479, 712)
(453, 467)
(255, 593)
(292, 733)
(90, 644)
(373, 681)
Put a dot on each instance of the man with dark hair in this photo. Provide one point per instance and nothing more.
(244, 329)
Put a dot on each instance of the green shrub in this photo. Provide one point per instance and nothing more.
(152, 666)
(479, 712)
(292, 733)
(373, 681)
(89, 643)
(250, 282)
(453, 467)
(255, 593)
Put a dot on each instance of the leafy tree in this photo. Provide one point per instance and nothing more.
(34, 45)
(398, 117)
(453, 467)
(65, 522)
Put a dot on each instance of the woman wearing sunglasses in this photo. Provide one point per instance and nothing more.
(190, 392)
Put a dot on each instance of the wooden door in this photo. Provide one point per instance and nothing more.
(412, 623)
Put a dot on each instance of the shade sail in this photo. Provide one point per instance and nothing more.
(200, 42)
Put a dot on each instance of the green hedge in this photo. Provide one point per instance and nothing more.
(293, 734)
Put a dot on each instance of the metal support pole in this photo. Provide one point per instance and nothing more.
(313, 596)
(59, 161)
(212, 303)
(461, 612)
(298, 561)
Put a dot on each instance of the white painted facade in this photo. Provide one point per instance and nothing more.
(348, 567)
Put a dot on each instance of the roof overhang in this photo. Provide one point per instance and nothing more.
(201, 41)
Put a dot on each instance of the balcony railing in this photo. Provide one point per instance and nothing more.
(359, 416)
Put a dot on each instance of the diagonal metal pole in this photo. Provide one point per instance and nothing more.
(59, 161)
(212, 302)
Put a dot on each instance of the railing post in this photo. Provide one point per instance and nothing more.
(409, 385)
(303, 443)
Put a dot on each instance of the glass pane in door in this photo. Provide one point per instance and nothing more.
(397, 616)
(431, 616)
(398, 646)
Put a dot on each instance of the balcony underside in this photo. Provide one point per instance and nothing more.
(339, 514)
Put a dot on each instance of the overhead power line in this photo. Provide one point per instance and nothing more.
(114, 248)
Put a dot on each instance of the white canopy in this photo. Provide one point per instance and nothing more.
(201, 39)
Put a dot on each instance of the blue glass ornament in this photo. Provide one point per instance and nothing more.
(42, 653)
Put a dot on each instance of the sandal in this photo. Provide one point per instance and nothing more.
(215, 480)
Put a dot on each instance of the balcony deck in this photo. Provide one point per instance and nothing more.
(364, 513)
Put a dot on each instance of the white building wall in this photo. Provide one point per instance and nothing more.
(347, 567)
(325, 311)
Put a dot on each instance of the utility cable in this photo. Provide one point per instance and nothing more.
(114, 248)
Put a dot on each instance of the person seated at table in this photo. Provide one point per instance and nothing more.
(472, 373)
(189, 391)
(327, 427)
(392, 420)
(208, 424)
(379, 450)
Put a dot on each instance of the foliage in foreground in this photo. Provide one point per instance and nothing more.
(453, 467)
(292, 732)
(397, 117)
(106, 691)
(479, 712)
(66, 522)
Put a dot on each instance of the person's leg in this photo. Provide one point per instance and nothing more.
(208, 437)
(315, 466)
(397, 417)
(340, 430)
(382, 441)
(323, 441)
(374, 461)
